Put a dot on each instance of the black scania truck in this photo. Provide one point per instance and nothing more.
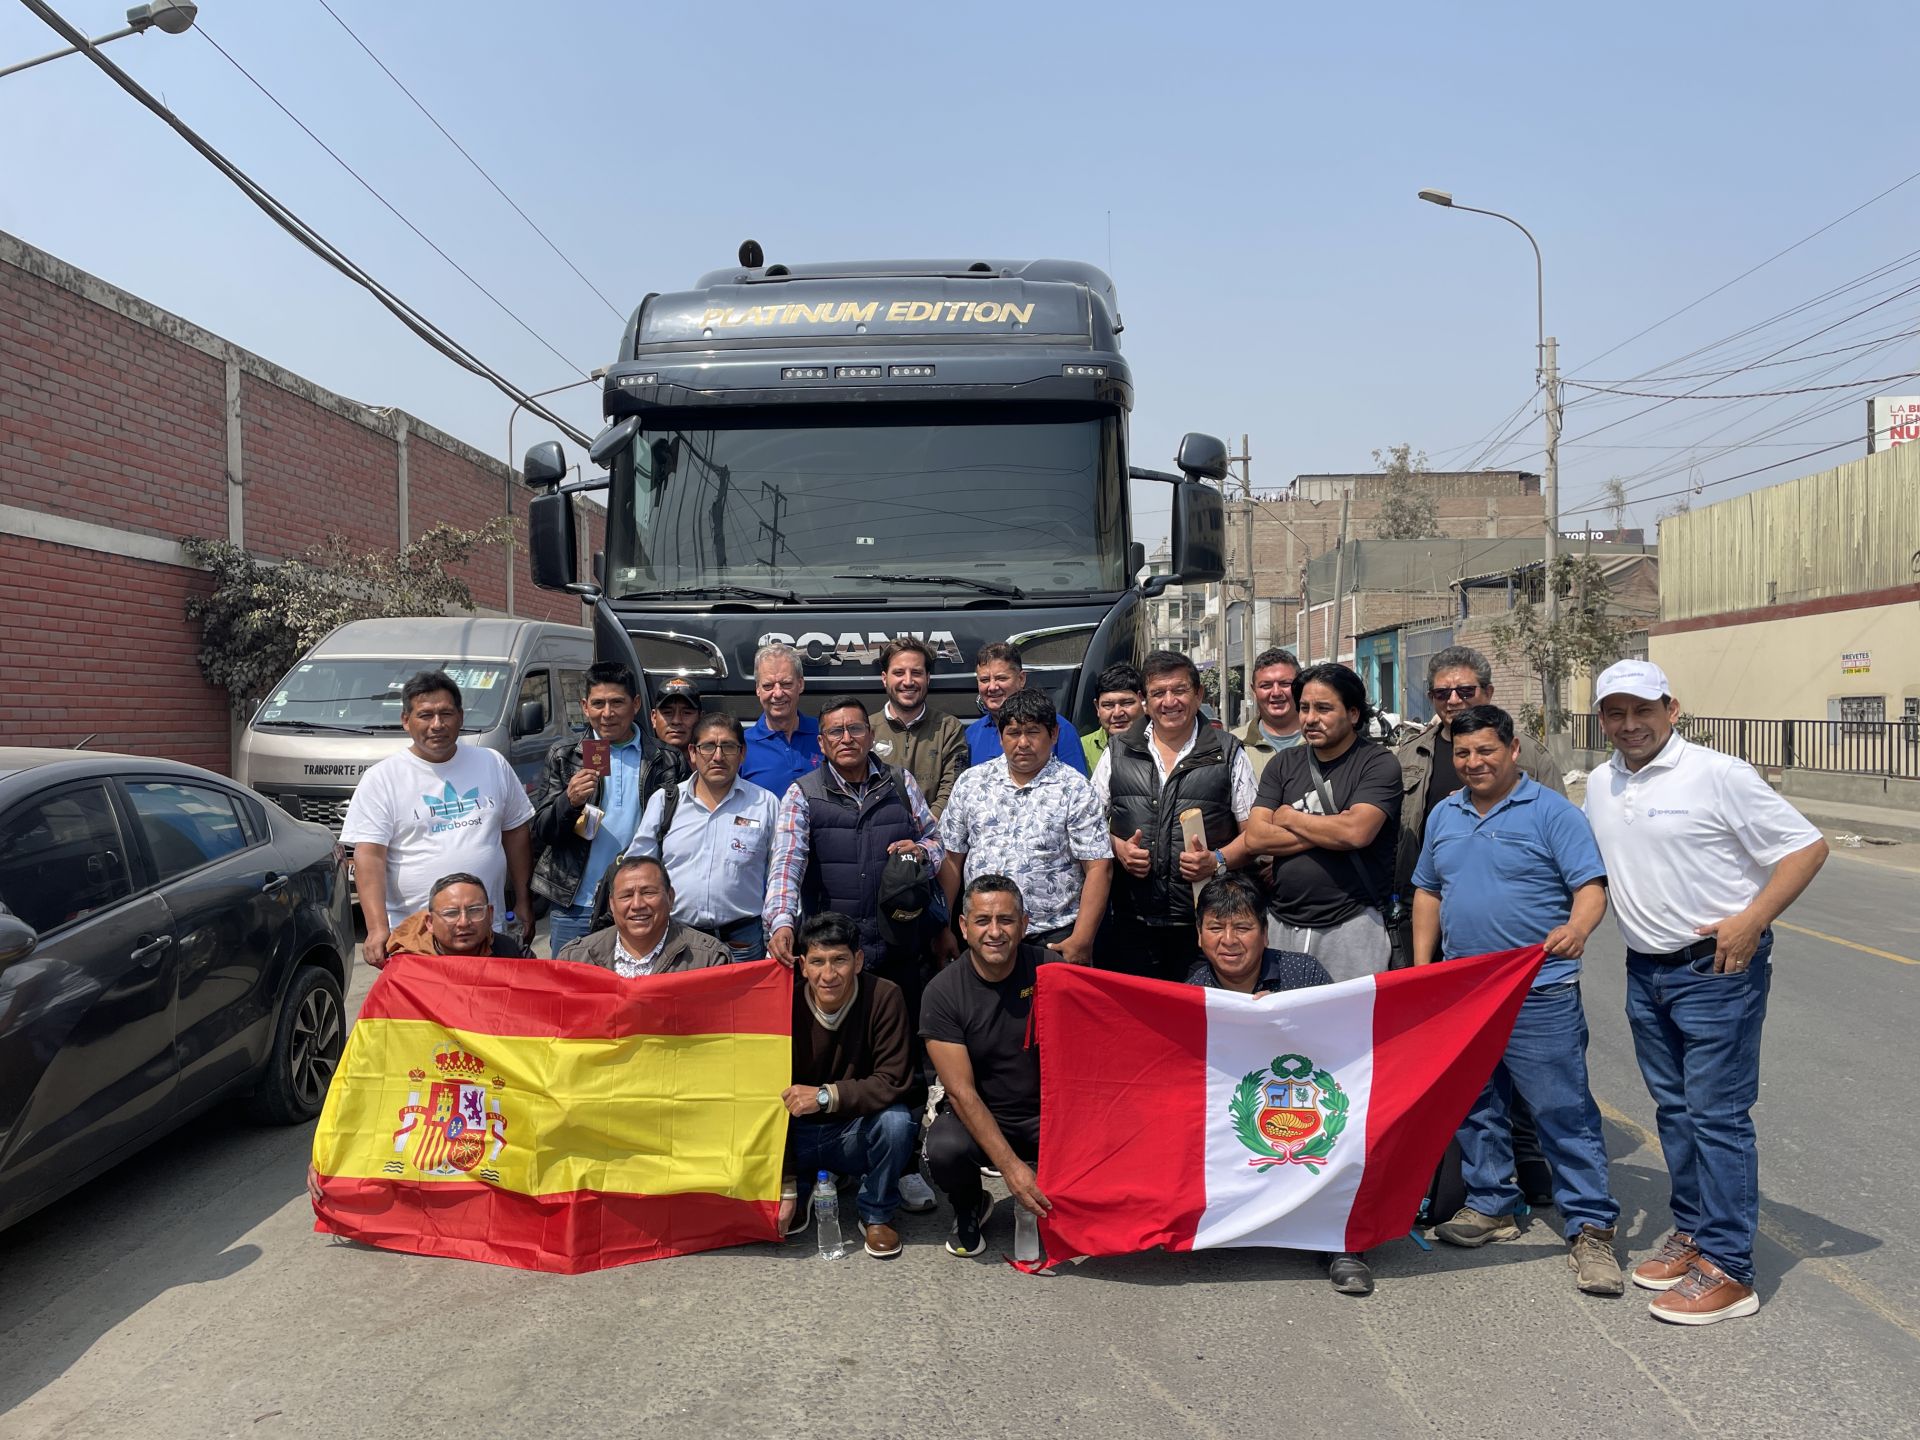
(836, 455)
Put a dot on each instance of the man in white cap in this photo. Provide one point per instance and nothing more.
(1702, 856)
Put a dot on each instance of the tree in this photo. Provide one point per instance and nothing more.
(1586, 637)
(263, 615)
(1408, 510)
(1616, 493)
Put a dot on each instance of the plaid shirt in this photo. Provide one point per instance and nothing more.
(793, 834)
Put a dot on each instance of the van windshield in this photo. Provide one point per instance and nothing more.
(363, 694)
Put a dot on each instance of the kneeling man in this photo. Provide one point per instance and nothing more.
(849, 1077)
(458, 920)
(1506, 863)
(974, 1018)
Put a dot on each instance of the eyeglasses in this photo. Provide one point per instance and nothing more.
(471, 912)
(713, 748)
(848, 732)
(1459, 692)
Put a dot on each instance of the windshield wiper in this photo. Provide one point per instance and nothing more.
(312, 725)
(990, 587)
(749, 591)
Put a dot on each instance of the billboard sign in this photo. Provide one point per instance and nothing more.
(1892, 420)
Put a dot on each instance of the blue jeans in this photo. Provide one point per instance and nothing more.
(569, 923)
(877, 1148)
(1546, 1064)
(1697, 1037)
(745, 939)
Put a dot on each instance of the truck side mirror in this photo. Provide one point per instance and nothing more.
(1199, 533)
(1136, 559)
(551, 547)
(1202, 457)
(544, 467)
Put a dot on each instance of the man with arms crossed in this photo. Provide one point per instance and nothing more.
(434, 808)
(1703, 857)
(1506, 864)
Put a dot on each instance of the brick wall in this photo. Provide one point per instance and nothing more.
(115, 442)
(97, 643)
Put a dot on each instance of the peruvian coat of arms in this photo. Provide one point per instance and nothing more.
(458, 1125)
(1291, 1113)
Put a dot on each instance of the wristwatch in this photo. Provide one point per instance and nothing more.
(1219, 863)
(823, 1097)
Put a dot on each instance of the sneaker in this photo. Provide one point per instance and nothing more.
(916, 1196)
(1349, 1273)
(1670, 1266)
(883, 1241)
(967, 1239)
(1595, 1267)
(1706, 1293)
(1471, 1229)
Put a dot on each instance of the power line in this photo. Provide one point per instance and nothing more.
(300, 230)
(1749, 395)
(391, 209)
(1729, 479)
(1898, 184)
(617, 314)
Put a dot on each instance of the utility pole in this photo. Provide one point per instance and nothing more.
(1220, 611)
(1339, 577)
(1247, 646)
(1550, 502)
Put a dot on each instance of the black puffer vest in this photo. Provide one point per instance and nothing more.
(1136, 801)
(847, 848)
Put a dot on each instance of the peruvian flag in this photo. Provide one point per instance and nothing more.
(1312, 1119)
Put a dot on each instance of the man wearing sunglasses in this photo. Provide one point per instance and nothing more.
(714, 834)
(1458, 678)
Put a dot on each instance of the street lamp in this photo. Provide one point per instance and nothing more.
(174, 17)
(1547, 373)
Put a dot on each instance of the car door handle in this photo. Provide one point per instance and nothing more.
(273, 882)
(148, 952)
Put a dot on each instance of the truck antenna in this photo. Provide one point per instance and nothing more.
(751, 255)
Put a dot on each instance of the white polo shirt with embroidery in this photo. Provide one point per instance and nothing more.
(1689, 838)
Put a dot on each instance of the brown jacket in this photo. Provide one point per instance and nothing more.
(414, 936)
(686, 949)
(933, 751)
(1416, 768)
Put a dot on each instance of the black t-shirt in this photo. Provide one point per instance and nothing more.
(1322, 888)
(1442, 779)
(991, 1021)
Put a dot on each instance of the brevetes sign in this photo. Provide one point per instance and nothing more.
(1856, 662)
(1892, 420)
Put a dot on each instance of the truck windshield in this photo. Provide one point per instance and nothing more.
(364, 694)
(1024, 501)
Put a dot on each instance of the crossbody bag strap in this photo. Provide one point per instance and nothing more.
(1326, 804)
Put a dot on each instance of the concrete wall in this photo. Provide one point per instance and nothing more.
(1787, 665)
(123, 429)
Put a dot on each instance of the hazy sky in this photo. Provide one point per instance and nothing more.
(1258, 163)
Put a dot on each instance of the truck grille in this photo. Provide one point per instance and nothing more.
(327, 810)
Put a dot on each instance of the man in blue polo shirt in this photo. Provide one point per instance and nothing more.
(998, 673)
(783, 744)
(1507, 863)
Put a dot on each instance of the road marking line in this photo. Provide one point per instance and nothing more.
(1829, 1269)
(1850, 944)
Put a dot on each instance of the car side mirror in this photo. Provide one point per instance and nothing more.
(17, 939)
(531, 719)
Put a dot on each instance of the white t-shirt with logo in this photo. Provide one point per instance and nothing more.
(436, 820)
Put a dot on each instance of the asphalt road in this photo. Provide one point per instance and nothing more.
(186, 1295)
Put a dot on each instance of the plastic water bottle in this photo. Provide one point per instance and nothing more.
(1026, 1235)
(826, 1218)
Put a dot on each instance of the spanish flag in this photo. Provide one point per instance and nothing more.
(556, 1117)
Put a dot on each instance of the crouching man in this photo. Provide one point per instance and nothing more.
(458, 920)
(849, 1077)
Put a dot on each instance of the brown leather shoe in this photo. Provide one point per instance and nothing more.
(1666, 1269)
(1705, 1294)
(883, 1241)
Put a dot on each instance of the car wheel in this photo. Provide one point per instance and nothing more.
(307, 1041)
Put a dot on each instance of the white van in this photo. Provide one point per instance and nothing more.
(338, 710)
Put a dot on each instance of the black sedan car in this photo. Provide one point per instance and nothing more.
(169, 939)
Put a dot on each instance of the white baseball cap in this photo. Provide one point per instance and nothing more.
(1641, 678)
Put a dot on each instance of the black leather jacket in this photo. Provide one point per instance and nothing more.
(560, 856)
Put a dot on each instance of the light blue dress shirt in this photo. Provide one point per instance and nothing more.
(716, 859)
(620, 799)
